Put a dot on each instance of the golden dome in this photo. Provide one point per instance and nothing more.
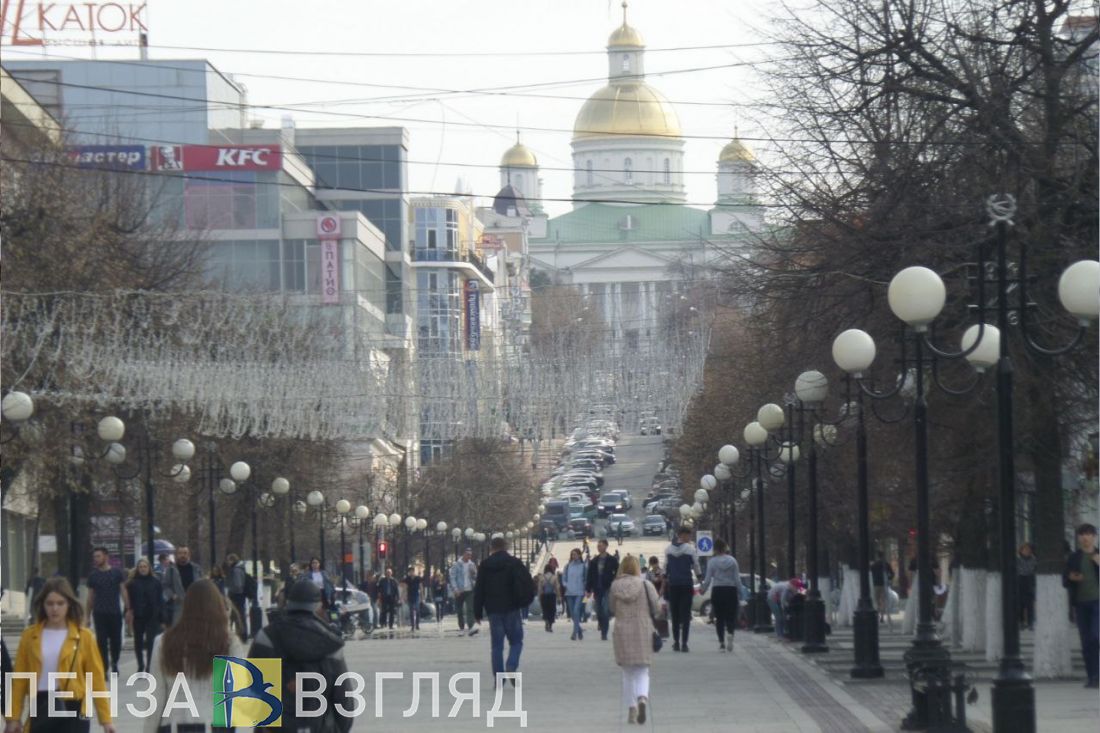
(625, 37)
(626, 109)
(736, 152)
(518, 156)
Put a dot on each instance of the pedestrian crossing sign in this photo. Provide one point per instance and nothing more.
(704, 542)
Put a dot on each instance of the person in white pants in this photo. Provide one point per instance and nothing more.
(633, 602)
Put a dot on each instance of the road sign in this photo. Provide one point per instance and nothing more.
(704, 542)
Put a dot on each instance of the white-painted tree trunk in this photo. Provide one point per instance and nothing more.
(825, 588)
(971, 600)
(909, 622)
(849, 596)
(1054, 634)
(994, 627)
(952, 623)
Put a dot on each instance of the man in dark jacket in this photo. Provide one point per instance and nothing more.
(388, 595)
(602, 570)
(236, 583)
(306, 644)
(1082, 579)
(681, 561)
(502, 589)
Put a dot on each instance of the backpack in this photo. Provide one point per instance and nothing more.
(326, 723)
(250, 587)
(523, 587)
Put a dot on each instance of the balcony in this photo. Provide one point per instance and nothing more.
(470, 263)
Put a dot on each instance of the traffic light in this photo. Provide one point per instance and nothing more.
(382, 550)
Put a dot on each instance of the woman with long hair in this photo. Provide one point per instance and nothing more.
(724, 580)
(572, 581)
(58, 642)
(145, 602)
(189, 647)
(633, 602)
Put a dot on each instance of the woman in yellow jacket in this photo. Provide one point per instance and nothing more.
(57, 643)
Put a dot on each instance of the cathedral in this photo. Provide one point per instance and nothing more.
(631, 241)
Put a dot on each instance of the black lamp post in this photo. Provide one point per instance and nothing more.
(756, 436)
(110, 430)
(316, 500)
(917, 296)
(811, 389)
(343, 506)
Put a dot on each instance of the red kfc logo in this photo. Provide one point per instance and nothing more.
(217, 158)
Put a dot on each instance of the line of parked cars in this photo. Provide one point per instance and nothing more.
(572, 493)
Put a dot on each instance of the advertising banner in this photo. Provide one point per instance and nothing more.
(330, 271)
(216, 158)
(54, 23)
(473, 316)
(113, 157)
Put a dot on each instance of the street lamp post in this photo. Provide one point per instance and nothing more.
(729, 456)
(317, 500)
(362, 515)
(811, 388)
(917, 296)
(768, 417)
(281, 487)
(111, 430)
(853, 352)
(299, 508)
(342, 508)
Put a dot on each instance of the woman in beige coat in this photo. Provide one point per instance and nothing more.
(633, 603)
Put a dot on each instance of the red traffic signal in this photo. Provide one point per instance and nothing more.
(382, 550)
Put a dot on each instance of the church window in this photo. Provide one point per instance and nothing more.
(588, 170)
(668, 171)
(628, 170)
(626, 62)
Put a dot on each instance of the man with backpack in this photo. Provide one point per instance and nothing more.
(306, 644)
(503, 588)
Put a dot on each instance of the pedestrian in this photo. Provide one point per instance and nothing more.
(202, 631)
(145, 601)
(163, 561)
(681, 569)
(587, 548)
(549, 592)
(236, 585)
(106, 587)
(602, 570)
(413, 582)
(779, 599)
(178, 577)
(463, 577)
(1025, 583)
(293, 573)
(57, 643)
(619, 533)
(317, 575)
(1082, 578)
(574, 578)
(634, 603)
(388, 595)
(881, 576)
(439, 595)
(502, 588)
(723, 577)
(306, 644)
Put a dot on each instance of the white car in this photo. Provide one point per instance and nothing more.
(615, 521)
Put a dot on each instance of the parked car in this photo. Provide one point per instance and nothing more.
(653, 524)
(650, 426)
(611, 504)
(581, 527)
(617, 521)
(628, 503)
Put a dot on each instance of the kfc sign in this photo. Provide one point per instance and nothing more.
(72, 23)
(217, 158)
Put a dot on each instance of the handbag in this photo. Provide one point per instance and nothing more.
(655, 637)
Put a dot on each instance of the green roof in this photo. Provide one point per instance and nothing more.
(649, 223)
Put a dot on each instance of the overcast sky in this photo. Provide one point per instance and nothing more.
(337, 90)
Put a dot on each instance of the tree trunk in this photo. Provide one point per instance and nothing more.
(952, 616)
(971, 612)
(1053, 632)
(909, 622)
(994, 627)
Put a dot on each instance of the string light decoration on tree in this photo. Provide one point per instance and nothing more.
(270, 366)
